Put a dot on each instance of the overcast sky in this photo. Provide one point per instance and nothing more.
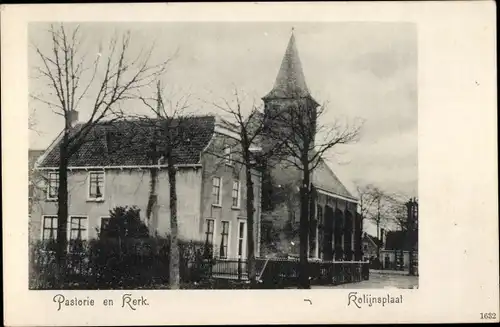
(363, 70)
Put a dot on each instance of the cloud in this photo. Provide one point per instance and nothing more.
(390, 162)
(363, 70)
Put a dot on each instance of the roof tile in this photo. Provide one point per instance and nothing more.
(128, 143)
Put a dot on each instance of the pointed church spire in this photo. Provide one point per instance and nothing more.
(290, 81)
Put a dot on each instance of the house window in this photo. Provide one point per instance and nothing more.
(53, 186)
(236, 194)
(104, 229)
(320, 215)
(321, 231)
(224, 240)
(209, 233)
(365, 248)
(313, 237)
(78, 228)
(216, 184)
(49, 228)
(241, 239)
(96, 185)
(228, 157)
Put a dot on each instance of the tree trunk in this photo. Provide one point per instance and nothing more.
(62, 211)
(312, 224)
(250, 226)
(379, 238)
(304, 230)
(152, 208)
(174, 264)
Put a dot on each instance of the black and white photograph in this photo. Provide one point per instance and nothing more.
(249, 163)
(223, 155)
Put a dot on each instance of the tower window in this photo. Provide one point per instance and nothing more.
(228, 158)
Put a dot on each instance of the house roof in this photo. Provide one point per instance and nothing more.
(396, 240)
(128, 143)
(290, 81)
(373, 239)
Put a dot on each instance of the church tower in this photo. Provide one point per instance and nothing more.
(290, 91)
(288, 103)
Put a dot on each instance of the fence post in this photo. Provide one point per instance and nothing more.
(239, 268)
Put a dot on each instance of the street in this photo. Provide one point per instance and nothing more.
(380, 280)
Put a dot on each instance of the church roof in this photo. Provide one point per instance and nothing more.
(290, 81)
(325, 179)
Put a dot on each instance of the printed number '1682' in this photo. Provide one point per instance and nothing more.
(488, 315)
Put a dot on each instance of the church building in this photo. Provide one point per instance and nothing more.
(335, 228)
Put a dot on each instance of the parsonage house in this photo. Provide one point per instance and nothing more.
(112, 169)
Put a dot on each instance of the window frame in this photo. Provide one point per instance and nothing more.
(50, 198)
(320, 230)
(228, 247)
(244, 240)
(100, 222)
(43, 226)
(89, 185)
(69, 229)
(238, 195)
(214, 235)
(219, 195)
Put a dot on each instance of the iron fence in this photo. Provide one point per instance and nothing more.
(278, 271)
(86, 270)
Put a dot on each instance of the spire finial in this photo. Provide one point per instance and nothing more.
(293, 29)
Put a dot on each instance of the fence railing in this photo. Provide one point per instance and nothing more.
(232, 268)
(286, 271)
(153, 269)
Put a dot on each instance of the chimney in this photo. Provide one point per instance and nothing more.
(73, 117)
(382, 236)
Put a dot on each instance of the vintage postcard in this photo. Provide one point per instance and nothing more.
(249, 163)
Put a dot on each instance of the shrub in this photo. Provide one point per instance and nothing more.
(109, 264)
(123, 256)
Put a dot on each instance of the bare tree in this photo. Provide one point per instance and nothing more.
(32, 120)
(307, 142)
(366, 200)
(171, 131)
(250, 127)
(378, 212)
(402, 214)
(365, 206)
(107, 78)
(397, 212)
